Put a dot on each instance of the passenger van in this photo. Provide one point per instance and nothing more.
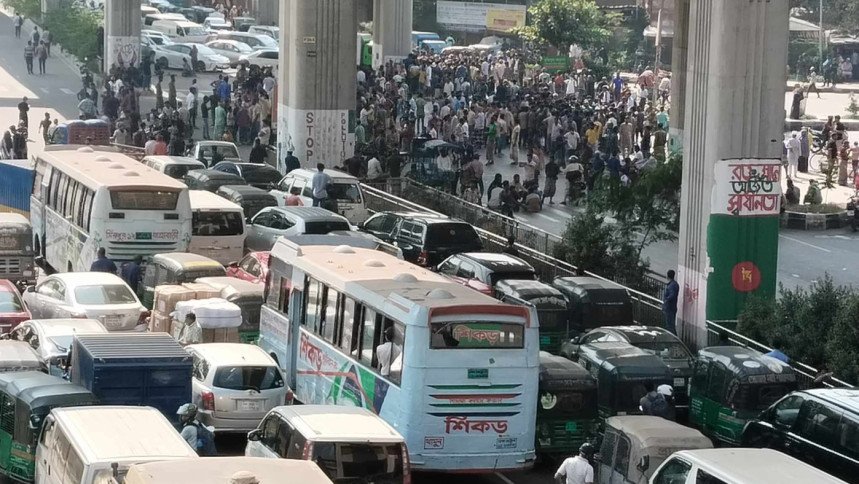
(175, 268)
(737, 466)
(217, 227)
(346, 191)
(346, 442)
(17, 257)
(218, 469)
(151, 18)
(181, 30)
(80, 445)
(173, 166)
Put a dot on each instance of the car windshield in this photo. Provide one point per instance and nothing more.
(104, 294)
(248, 378)
(195, 32)
(205, 50)
(671, 350)
(345, 192)
(243, 48)
(266, 41)
(10, 303)
(226, 152)
(325, 226)
(179, 171)
(216, 223)
(342, 462)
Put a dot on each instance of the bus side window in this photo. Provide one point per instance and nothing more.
(55, 186)
(328, 315)
(368, 337)
(37, 180)
(348, 332)
(283, 302)
(311, 307)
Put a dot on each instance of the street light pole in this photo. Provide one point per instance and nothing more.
(821, 34)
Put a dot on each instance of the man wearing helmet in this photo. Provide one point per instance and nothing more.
(577, 470)
(198, 436)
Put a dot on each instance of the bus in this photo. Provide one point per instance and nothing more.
(453, 370)
(83, 200)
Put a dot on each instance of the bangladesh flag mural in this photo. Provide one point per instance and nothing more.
(742, 236)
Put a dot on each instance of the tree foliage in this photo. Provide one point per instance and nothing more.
(841, 15)
(31, 9)
(560, 23)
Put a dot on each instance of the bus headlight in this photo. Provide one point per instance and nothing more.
(548, 401)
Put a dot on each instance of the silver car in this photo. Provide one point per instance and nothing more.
(51, 339)
(272, 222)
(234, 385)
(90, 295)
(231, 49)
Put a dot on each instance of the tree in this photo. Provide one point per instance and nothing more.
(843, 345)
(841, 15)
(560, 23)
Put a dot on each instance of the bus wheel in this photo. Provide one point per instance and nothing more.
(274, 357)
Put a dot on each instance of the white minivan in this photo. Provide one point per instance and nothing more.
(348, 443)
(345, 189)
(224, 470)
(737, 466)
(217, 227)
(79, 445)
(181, 30)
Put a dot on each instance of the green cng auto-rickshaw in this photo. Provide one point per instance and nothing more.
(25, 399)
(567, 410)
(593, 303)
(732, 385)
(550, 305)
(622, 372)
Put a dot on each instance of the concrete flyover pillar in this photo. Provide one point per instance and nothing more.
(317, 81)
(392, 30)
(122, 33)
(266, 11)
(678, 75)
(732, 146)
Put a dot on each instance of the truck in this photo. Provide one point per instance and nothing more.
(146, 369)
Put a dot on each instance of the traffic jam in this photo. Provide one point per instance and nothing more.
(146, 319)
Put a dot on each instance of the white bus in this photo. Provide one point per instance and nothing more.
(453, 370)
(84, 199)
(217, 227)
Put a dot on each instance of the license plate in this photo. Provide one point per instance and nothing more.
(679, 382)
(143, 235)
(506, 442)
(571, 426)
(249, 406)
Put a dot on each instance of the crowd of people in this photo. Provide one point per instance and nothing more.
(488, 106)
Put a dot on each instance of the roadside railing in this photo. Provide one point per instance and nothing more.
(135, 152)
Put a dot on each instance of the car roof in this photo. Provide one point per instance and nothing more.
(84, 278)
(637, 334)
(336, 423)
(227, 41)
(847, 398)
(232, 285)
(120, 433)
(746, 362)
(175, 160)
(54, 327)
(586, 282)
(221, 468)
(652, 431)
(526, 289)
(209, 142)
(307, 213)
(18, 353)
(246, 190)
(761, 466)
(498, 262)
(8, 286)
(206, 200)
(186, 259)
(336, 175)
(210, 174)
(238, 354)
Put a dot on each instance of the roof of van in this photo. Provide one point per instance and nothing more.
(219, 470)
(13, 218)
(18, 354)
(117, 434)
(336, 423)
(746, 362)
(761, 466)
(233, 285)
(847, 398)
(97, 168)
(656, 431)
(308, 213)
(238, 354)
(175, 160)
(336, 175)
(186, 258)
(203, 200)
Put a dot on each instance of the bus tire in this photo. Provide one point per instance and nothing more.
(274, 357)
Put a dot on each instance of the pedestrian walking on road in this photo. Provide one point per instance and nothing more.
(29, 53)
(204, 113)
(577, 470)
(47, 38)
(44, 126)
(102, 263)
(669, 302)
(35, 36)
(42, 56)
(23, 109)
(220, 122)
(18, 21)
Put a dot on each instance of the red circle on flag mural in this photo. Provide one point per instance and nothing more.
(746, 277)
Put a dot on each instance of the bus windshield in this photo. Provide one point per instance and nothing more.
(217, 223)
(477, 335)
(342, 462)
(144, 200)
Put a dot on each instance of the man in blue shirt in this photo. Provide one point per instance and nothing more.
(669, 302)
(131, 273)
(224, 89)
(102, 263)
(319, 183)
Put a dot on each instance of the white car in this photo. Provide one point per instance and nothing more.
(262, 58)
(215, 24)
(52, 338)
(231, 49)
(234, 385)
(270, 30)
(169, 58)
(207, 59)
(91, 295)
(156, 37)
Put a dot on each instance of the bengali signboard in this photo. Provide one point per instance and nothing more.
(747, 187)
(477, 17)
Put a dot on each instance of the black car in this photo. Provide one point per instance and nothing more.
(211, 180)
(256, 175)
(251, 199)
(425, 239)
(819, 426)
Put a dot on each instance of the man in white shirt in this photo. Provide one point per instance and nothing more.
(388, 355)
(374, 168)
(319, 183)
(577, 470)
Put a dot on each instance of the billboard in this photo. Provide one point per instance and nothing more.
(479, 17)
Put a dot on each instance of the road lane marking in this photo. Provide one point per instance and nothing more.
(504, 478)
(67, 91)
(805, 243)
(45, 90)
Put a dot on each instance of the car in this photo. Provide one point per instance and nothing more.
(52, 339)
(262, 58)
(272, 31)
(215, 24)
(13, 311)
(168, 58)
(231, 49)
(272, 222)
(252, 268)
(207, 59)
(204, 150)
(234, 385)
(210, 180)
(242, 24)
(481, 269)
(425, 239)
(91, 295)
(157, 37)
(255, 174)
(173, 166)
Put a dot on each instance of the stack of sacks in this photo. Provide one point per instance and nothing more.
(219, 319)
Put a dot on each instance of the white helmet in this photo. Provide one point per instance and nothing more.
(665, 390)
